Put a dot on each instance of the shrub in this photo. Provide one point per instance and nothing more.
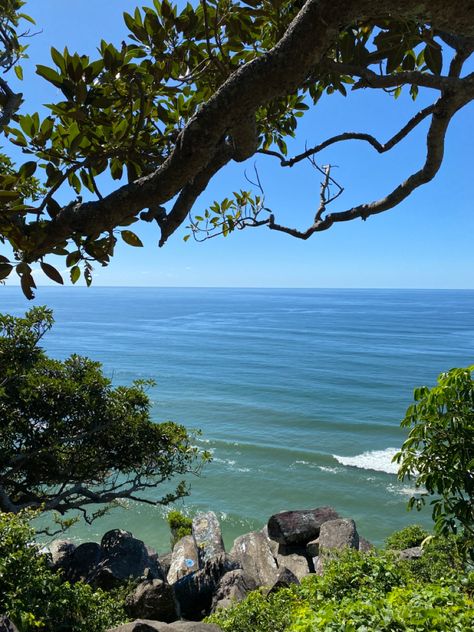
(180, 526)
(406, 538)
(34, 597)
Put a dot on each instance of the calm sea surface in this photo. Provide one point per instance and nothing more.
(298, 393)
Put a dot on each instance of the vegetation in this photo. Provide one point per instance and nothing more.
(363, 592)
(180, 526)
(35, 598)
(195, 88)
(439, 452)
(69, 440)
(406, 538)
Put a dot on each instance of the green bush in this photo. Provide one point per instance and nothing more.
(364, 592)
(406, 538)
(180, 526)
(36, 598)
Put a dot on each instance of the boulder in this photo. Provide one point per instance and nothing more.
(164, 561)
(233, 586)
(335, 535)
(364, 545)
(124, 557)
(143, 625)
(312, 548)
(296, 562)
(81, 562)
(194, 592)
(184, 559)
(299, 527)
(60, 552)
(252, 553)
(152, 599)
(413, 553)
(6, 625)
(207, 536)
(284, 580)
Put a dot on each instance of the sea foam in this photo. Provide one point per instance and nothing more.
(377, 460)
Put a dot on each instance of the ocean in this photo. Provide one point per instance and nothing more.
(298, 393)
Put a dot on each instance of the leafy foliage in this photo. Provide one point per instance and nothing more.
(69, 439)
(35, 598)
(410, 536)
(122, 112)
(439, 451)
(180, 525)
(361, 592)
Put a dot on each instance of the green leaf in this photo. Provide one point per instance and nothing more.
(75, 274)
(131, 239)
(434, 58)
(19, 72)
(50, 75)
(5, 269)
(5, 196)
(51, 272)
(28, 169)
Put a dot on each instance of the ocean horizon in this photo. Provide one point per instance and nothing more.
(298, 392)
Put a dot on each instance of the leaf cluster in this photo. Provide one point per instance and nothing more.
(69, 438)
(34, 597)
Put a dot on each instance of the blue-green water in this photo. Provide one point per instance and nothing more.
(298, 393)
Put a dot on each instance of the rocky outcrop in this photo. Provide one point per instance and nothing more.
(299, 527)
(60, 552)
(253, 554)
(184, 559)
(413, 553)
(335, 535)
(142, 625)
(81, 563)
(284, 580)
(152, 599)
(207, 536)
(234, 586)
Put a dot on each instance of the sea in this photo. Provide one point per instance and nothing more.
(298, 393)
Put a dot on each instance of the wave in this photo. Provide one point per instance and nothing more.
(377, 460)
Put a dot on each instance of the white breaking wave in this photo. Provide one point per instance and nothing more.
(377, 460)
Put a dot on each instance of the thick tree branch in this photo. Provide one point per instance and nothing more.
(444, 110)
(280, 71)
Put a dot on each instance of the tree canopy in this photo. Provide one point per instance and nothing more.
(69, 440)
(195, 87)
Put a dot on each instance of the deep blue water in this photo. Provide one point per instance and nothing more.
(298, 393)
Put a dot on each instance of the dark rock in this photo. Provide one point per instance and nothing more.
(284, 580)
(6, 625)
(82, 562)
(164, 561)
(312, 548)
(194, 592)
(184, 559)
(152, 599)
(252, 552)
(142, 625)
(299, 527)
(207, 536)
(124, 557)
(413, 553)
(233, 587)
(364, 545)
(60, 553)
(335, 535)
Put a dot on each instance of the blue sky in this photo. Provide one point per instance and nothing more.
(424, 243)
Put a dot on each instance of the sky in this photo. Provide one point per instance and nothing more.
(426, 242)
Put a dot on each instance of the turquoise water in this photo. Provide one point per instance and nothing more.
(298, 393)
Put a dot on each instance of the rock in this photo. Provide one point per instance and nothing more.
(124, 557)
(312, 548)
(192, 626)
(194, 592)
(413, 553)
(233, 587)
(60, 552)
(164, 561)
(207, 536)
(284, 580)
(299, 527)
(252, 553)
(142, 625)
(152, 599)
(184, 559)
(335, 535)
(81, 562)
(364, 545)
(296, 562)
(6, 625)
